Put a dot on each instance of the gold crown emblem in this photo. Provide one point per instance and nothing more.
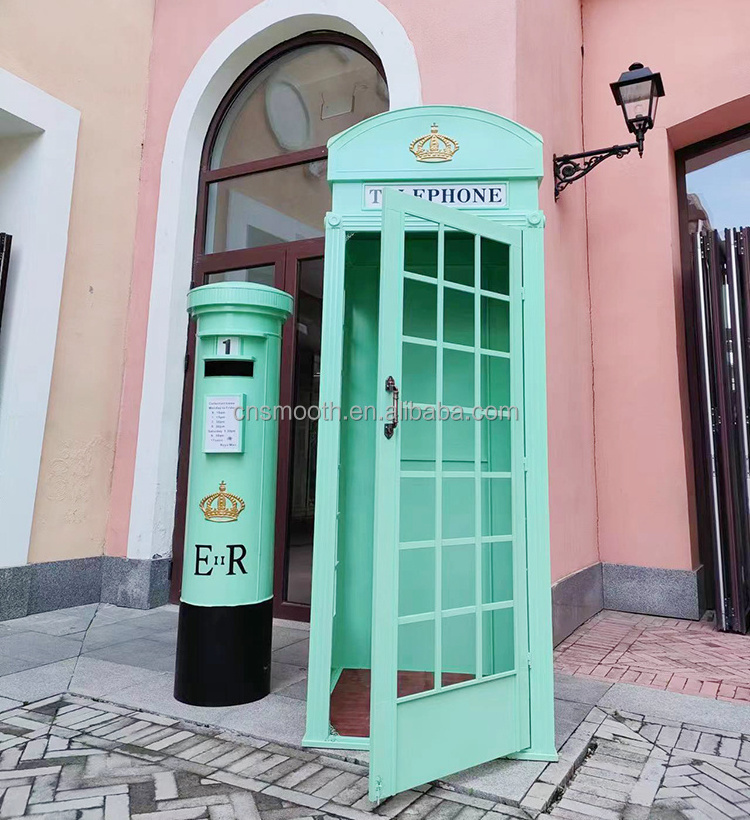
(434, 147)
(222, 506)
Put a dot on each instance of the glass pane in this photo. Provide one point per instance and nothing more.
(309, 305)
(495, 324)
(416, 581)
(420, 309)
(459, 641)
(263, 275)
(268, 208)
(495, 266)
(417, 509)
(419, 374)
(299, 101)
(497, 572)
(495, 390)
(420, 252)
(458, 444)
(362, 252)
(417, 442)
(458, 378)
(458, 576)
(716, 182)
(498, 653)
(458, 508)
(416, 657)
(496, 442)
(459, 258)
(458, 317)
(497, 506)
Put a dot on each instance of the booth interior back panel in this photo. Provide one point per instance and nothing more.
(353, 622)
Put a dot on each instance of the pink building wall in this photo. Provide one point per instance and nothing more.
(501, 72)
(645, 479)
(549, 66)
(183, 29)
(621, 488)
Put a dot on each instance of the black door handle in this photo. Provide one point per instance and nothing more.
(390, 426)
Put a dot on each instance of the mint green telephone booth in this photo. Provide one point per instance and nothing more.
(431, 639)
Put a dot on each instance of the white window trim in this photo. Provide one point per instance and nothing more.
(32, 309)
(252, 34)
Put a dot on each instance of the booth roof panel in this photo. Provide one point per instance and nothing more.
(472, 144)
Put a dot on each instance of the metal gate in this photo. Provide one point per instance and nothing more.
(722, 321)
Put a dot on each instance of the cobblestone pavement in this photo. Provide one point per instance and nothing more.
(638, 769)
(94, 752)
(72, 758)
(691, 657)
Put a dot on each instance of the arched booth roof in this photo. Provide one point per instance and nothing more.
(489, 147)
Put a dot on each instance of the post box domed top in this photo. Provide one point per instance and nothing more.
(239, 296)
(446, 141)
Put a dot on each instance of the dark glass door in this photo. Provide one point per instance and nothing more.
(298, 431)
(298, 269)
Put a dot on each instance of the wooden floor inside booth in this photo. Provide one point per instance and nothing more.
(350, 701)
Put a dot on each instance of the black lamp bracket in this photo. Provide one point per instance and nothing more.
(570, 167)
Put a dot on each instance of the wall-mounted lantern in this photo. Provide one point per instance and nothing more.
(637, 92)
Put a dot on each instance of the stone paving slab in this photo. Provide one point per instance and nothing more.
(725, 716)
(72, 757)
(126, 656)
(626, 751)
(639, 767)
(69, 757)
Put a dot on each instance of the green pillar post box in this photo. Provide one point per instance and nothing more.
(224, 637)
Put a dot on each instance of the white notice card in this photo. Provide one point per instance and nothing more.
(223, 432)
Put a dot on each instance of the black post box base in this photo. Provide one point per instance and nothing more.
(223, 654)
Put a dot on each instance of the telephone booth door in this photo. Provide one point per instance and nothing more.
(450, 684)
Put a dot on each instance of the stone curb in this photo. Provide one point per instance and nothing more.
(556, 776)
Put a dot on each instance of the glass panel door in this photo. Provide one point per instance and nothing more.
(304, 431)
(298, 431)
(450, 672)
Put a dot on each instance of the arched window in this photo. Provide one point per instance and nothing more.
(263, 179)
(262, 198)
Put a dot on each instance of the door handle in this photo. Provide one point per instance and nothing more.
(390, 426)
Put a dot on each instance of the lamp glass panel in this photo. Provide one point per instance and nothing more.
(654, 104)
(636, 100)
(630, 92)
(636, 110)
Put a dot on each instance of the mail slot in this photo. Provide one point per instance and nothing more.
(229, 367)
